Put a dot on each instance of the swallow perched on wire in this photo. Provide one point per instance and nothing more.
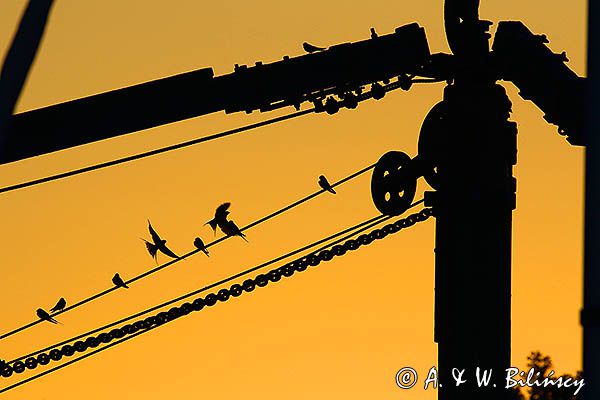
(201, 246)
(231, 229)
(309, 48)
(157, 244)
(43, 314)
(60, 305)
(324, 183)
(118, 281)
(220, 218)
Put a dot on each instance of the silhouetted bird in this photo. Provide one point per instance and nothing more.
(201, 246)
(324, 183)
(374, 34)
(158, 244)
(220, 218)
(231, 229)
(60, 305)
(42, 314)
(118, 281)
(309, 48)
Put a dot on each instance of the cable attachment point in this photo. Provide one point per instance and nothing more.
(393, 183)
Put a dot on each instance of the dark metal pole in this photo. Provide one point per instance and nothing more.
(473, 206)
(19, 59)
(591, 284)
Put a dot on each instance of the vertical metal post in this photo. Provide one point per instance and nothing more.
(591, 295)
(474, 206)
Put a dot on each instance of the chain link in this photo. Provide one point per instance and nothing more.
(222, 295)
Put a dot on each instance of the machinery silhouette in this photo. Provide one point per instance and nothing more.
(466, 152)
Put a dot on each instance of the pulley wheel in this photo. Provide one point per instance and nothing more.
(393, 187)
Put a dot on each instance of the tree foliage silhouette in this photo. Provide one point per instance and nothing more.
(543, 364)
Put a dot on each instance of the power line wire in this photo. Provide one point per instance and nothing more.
(377, 219)
(361, 227)
(171, 262)
(94, 167)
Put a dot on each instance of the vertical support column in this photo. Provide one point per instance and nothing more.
(591, 301)
(474, 206)
(473, 240)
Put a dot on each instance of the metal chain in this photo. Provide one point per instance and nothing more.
(236, 290)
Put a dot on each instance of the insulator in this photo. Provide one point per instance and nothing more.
(43, 358)
(378, 234)
(236, 290)
(288, 270)
(274, 275)
(174, 313)
(350, 101)
(388, 229)
(18, 367)
(377, 91)
(55, 354)
(81, 346)
(248, 285)
(352, 244)
(31, 363)
(301, 265)
(211, 299)
(163, 317)
(186, 308)
(223, 295)
(128, 329)
(332, 106)
(404, 82)
(364, 239)
(338, 250)
(6, 371)
(104, 337)
(261, 280)
(67, 350)
(326, 255)
(198, 304)
(139, 325)
(115, 334)
(313, 260)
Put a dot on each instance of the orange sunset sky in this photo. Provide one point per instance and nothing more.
(341, 330)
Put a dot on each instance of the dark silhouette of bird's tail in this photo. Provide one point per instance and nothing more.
(152, 248)
(213, 224)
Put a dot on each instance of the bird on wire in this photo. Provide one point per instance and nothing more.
(118, 281)
(60, 305)
(231, 229)
(309, 48)
(43, 315)
(201, 246)
(157, 244)
(325, 185)
(220, 218)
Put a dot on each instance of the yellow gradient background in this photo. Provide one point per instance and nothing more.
(341, 330)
